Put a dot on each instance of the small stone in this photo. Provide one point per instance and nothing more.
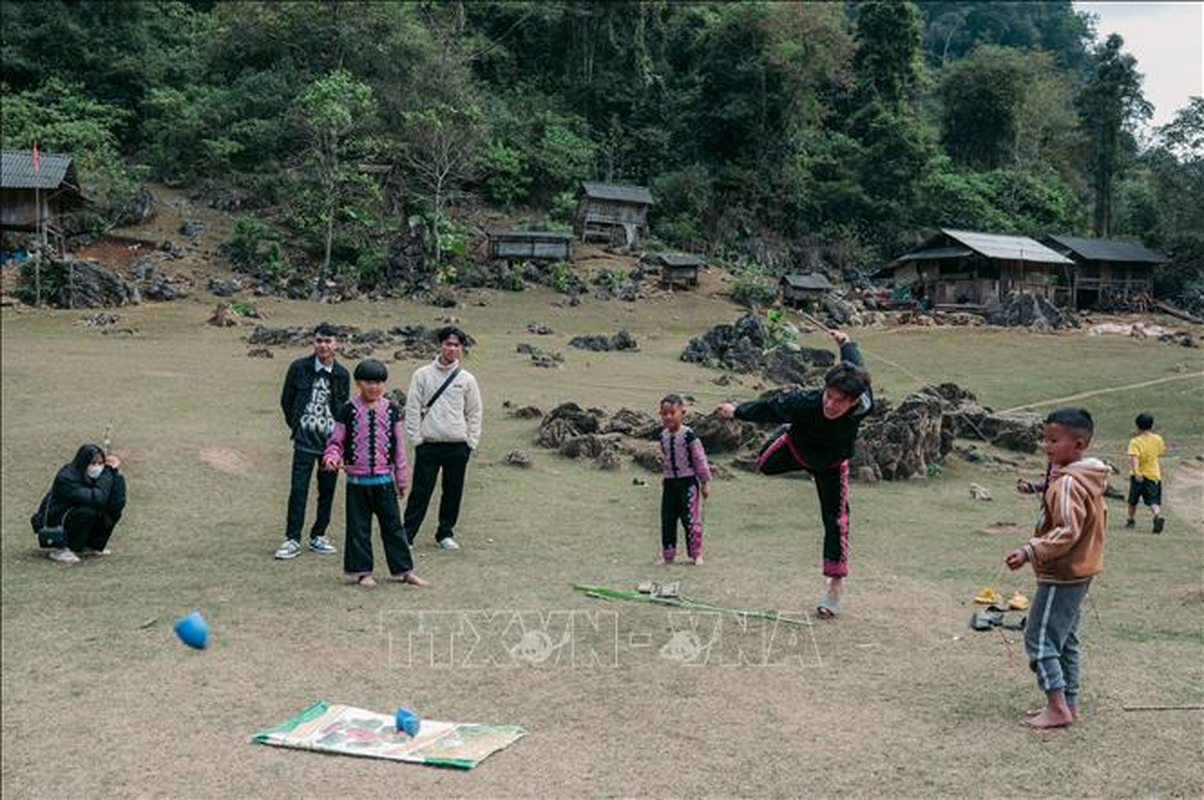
(518, 458)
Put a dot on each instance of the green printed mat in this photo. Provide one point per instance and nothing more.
(335, 728)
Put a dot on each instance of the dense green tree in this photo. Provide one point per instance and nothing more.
(1110, 104)
(888, 60)
(776, 131)
(981, 97)
(955, 29)
(898, 145)
(1000, 106)
(331, 109)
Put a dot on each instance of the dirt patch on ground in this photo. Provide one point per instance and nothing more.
(1192, 597)
(1185, 494)
(115, 252)
(224, 459)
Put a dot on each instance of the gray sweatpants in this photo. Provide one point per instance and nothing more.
(1051, 637)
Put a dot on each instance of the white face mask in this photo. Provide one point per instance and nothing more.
(94, 470)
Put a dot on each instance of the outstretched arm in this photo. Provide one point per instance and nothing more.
(780, 408)
(850, 353)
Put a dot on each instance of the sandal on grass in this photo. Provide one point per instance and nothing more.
(828, 607)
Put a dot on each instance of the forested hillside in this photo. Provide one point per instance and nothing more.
(828, 134)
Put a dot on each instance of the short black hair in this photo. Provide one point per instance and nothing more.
(371, 370)
(1075, 419)
(848, 378)
(448, 331)
(673, 400)
(1145, 421)
(326, 329)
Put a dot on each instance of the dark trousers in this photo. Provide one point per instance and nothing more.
(429, 458)
(832, 484)
(298, 495)
(90, 528)
(364, 502)
(680, 499)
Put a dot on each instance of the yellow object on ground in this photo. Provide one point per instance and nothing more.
(1019, 602)
(987, 596)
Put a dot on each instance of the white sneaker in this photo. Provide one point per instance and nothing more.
(290, 549)
(64, 556)
(322, 545)
(448, 544)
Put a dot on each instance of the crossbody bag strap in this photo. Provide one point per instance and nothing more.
(50, 505)
(439, 392)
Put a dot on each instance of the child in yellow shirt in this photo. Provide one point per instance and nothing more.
(1145, 477)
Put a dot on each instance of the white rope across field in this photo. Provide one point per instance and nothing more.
(1108, 390)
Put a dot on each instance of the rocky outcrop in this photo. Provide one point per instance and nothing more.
(86, 284)
(1023, 310)
(742, 348)
(599, 343)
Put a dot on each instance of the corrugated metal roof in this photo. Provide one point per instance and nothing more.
(624, 193)
(16, 170)
(1108, 249)
(530, 235)
(678, 259)
(936, 253)
(1008, 248)
(810, 280)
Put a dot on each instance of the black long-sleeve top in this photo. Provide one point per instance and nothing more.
(823, 443)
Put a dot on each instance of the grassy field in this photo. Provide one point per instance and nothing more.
(896, 698)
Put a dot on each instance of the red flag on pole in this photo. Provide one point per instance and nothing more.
(37, 160)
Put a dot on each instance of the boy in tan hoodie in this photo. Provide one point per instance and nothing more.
(1066, 552)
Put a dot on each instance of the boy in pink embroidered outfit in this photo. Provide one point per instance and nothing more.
(687, 475)
(368, 442)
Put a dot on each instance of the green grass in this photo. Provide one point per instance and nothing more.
(98, 697)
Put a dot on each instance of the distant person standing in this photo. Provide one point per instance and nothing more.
(314, 388)
(443, 422)
(1145, 474)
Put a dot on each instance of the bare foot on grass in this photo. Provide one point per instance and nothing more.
(1074, 712)
(366, 581)
(697, 561)
(410, 578)
(1050, 717)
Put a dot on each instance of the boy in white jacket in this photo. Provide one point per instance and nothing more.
(443, 422)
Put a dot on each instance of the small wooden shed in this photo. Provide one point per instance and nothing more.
(530, 245)
(612, 212)
(37, 200)
(1106, 268)
(803, 289)
(677, 269)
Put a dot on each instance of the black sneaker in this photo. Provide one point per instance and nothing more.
(1159, 524)
(1130, 523)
